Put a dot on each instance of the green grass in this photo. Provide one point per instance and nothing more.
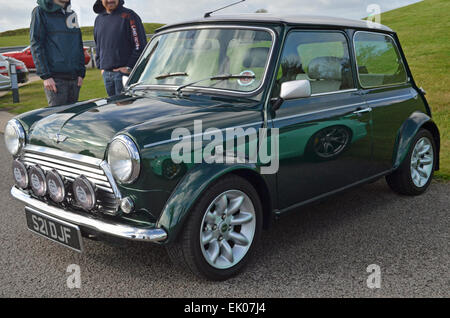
(21, 37)
(32, 96)
(423, 31)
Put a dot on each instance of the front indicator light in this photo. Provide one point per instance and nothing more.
(127, 205)
(84, 193)
(20, 174)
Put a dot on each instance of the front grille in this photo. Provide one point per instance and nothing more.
(70, 166)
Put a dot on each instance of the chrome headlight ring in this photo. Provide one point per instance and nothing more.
(125, 167)
(14, 137)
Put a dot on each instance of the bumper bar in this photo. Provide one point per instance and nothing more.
(102, 226)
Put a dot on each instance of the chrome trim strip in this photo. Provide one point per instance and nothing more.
(216, 26)
(339, 107)
(318, 111)
(66, 155)
(102, 226)
(105, 166)
(398, 51)
(335, 92)
(388, 98)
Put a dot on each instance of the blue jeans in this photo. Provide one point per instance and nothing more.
(113, 82)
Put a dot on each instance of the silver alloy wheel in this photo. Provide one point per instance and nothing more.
(227, 229)
(422, 160)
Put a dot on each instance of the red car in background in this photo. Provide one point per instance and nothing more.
(25, 56)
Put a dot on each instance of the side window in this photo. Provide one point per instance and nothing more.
(320, 57)
(379, 62)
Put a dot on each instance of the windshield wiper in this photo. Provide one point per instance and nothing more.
(163, 76)
(217, 78)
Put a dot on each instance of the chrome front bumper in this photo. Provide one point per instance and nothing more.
(101, 226)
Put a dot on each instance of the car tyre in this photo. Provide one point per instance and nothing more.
(188, 252)
(415, 174)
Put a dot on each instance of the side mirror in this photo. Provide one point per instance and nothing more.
(124, 80)
(295, 89)
(292, 90)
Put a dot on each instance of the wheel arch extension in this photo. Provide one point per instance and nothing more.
(197, 181)
(408, 130)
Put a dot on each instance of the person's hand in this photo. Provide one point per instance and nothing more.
(80, 81)
(50, 85)
(123, 70)
(103, 71)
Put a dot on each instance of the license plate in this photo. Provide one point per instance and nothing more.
(56, 230)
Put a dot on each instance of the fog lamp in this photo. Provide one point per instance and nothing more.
(20, 174)
(55, 186)
(37, 181)
(84, 193)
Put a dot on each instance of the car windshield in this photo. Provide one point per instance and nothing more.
(179, 58)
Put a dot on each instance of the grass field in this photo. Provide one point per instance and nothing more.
(32, 96)
(422, 29)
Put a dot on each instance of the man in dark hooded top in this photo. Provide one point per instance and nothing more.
(120, 39)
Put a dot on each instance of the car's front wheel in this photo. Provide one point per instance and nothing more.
(222, 230)
(414, 175)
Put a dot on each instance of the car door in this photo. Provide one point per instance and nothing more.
(325, 139)
(387, 90)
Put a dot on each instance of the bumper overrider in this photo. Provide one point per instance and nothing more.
(101, 226)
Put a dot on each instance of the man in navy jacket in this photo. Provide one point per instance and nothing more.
(120, 39)
(57, 50)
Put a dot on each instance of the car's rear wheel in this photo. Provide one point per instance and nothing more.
(414, 175)
(222, 230)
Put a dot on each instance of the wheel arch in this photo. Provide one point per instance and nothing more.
(408, 130)
(196, 182)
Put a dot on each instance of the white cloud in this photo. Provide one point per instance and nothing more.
(16, 14)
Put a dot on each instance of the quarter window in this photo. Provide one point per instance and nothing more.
(320, 57)
(379, 62)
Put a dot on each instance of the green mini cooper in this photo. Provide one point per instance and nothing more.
(225, 124)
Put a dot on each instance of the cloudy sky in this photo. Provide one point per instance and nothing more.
(16, 13)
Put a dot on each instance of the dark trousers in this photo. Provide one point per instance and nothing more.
(67, 93)
(113, 82)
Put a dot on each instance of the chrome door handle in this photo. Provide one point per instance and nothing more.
(365, 110)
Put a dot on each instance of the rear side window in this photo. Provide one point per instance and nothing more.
(320, 57)
(378, 60)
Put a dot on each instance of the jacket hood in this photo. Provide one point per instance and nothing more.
(99, 8)
(49, 5)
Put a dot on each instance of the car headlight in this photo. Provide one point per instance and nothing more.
(124, 159)
(14, 136)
